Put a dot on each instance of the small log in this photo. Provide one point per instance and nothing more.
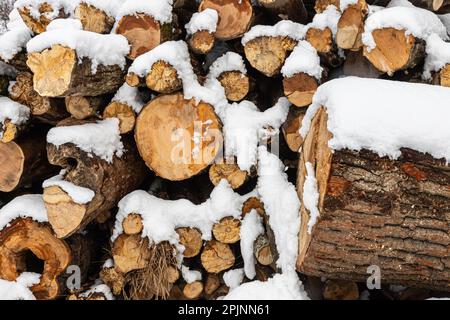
(132, 224)
(164, 135)
(24, 161)
(375, 211)
(263, 251)
(236, 85)
(143, 33)
(253, 203)
(114, 279)
(394, 50)
(130, 252)
(58, 73)
(293, 10)
(85, 107)
(39, 25)
(109, 181)
(217, 257)
(291, 128)
(26, 241)
(300, 88)
(193, 290)
(201, 42)
(322, 41)
(231, 172)
(227, 230)
(10, 131)
(351, 26)
(50, 110)
(340, 290)
(94, 19)
(123, 112)
(192, 241)
(163, 78)
(268, 54)
(212, 283)
(235, 17)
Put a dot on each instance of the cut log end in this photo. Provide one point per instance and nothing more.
(217, 257)
(300, 89)
(132, 224)
(123, 112)
(94, 19)
(321, 5)
(163, 78)
(227, 230)
(231, 172)
(262, 250)
(291, 128)
(321, 40)
(193, 290)
(351, 26)
(445, 76)
(192, 241)
(202, 42)
(130, 252)
(236, 85)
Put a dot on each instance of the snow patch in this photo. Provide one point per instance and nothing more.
(438, 55)
(251, 228)
(160, 10)
(13, 41)
(130, 96)
(98, 287)
(26, 206)
(205, 20)
(328, 18)
(284, 28)
(311, 196)
(15, 112)
(304, 58)
(190, 276)
(230, 61)
(67, 6)
(110, 7)
(65, 24)
(78, 194)
(233, 278)
(19, 289)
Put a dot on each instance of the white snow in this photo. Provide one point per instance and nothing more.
(445, 19)
(19, 289)
(101, 49)
(160, 10)
(282, 206)
(130, 96)
(65, 24)
(304, 58)
(328, 18)
(101, 138)
(384, 116)
(229, 61)
(233, 278)
(13, 41)
(190, 275)
(344, 4)
(244, 127)
(68, 6)
(400, 3)
(279, 287)
(418, 22)
(13, 111)
(311, 196)
(205, 20)
(78, 194)
(110, 7)
(373, 9)
(438, 55)
(284, 28)
(98, 287)
(251, 228)
(109, 263)
(26, 206)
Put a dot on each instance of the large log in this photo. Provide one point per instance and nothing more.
(165, 131)
(375, 211)
(293, 10)
(58, 73)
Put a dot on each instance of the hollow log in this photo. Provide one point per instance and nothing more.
(268, 54)
(164, 134)
(236, 85)
(130, 252)
(227, 230)
(24, 161)
(300, 88)
(58, 73)
(217, 257)
(85, 107)
(394, 50)
(235, 17)
(231, 172)
(123, 112)
(109, 181)
(49, 110)
(39, 25)
(291, 127)
(193, 290)
(192, 241)
(93, 19)
(293, 10)
(351, 26)
(143, 33)
(163, 78)
(375, 211)
(201, 42)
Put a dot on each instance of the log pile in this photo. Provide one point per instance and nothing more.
(134, 143)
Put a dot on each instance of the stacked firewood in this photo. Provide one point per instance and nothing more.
(103, 99)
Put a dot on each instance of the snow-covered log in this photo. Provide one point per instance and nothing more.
(351, 24)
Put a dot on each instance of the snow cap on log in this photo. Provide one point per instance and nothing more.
(230, 61)
(129, 96)
(19, 288)
(233, 278)
(378, 124)
(78, 194)
(110, 7)
(304, 58)
(15, 112)
(66, 24)
(68, 6)
(14, 40)
(251, 228)
(284, 28)
(205, 20)
(107, 50)
(418, 22)
(101, 139)
(328, 18)
(26, 206)
(160, 10)
(438, 55)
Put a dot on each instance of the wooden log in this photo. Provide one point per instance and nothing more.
(323, 42)
(340, 290)
(193, 290)
(192, 241)
(293, 10)
(217, 257)
(164, 135)
(173, 274)
(394, 50)
(50, 110)
(263, 251)
(58, 73)
(132, 224)
(27, 245)
(163, 78)
(227, 230)
(236, 85)
(268, 54)
(114, 279)
(212, 283)
(351, 26)
(235, 17)
(123, 112)
(443, 76)
(143, 33)
(231, 172)
(10, 131)
(85, 107)
(291, 128)
(18, 61)
(109, 181)
(375, 211)
(432, 5)
(130, 252)
(46, 15)
(24, 161)
(94, 19)
(300, 88)
(201, 42)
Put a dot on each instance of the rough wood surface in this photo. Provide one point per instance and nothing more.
(123, 112)
(201, 42)
(163, 78)
(231, 172)
(351, 26)
(217, 257)
(193, 290)
(40, 24)
(132, 224)
(227, 230)
(130, 252)
(94, 19)
(291, 128)
(192, 241)
(300, 89)
(85, 107)
(236, 85)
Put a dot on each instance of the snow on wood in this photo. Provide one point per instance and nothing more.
(98, 288)
(20, 288)
(304, 58)
(284, 28)
(129, 96)
(13, 112)
(251, 228)
(311, 196)
(101, 138)
(190, 276)
(68, 6)
(233, 278)
(438, 55)
(110, 7)
(160, 10)
(78, 194)
(66, 24)
(328, 18)
(344, 4)
(26, 206)
(378, 124)
(229, 61)
(203, 21)
(13, 41)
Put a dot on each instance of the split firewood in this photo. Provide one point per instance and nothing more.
(168, 145)
(94, 19)
(24, 161)
(293, 10)
(262, 250)
(217, 257)
(85, 107)
(50, 110)
(192, 241)
(193, 290)
(231, 172)
(212, 283)
(340, 290)
(291, 128)
(201, 29)
(235, 17)
(351, 26)
(227, 230)
(47, 12)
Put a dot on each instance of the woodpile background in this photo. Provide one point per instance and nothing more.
(60, 89)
